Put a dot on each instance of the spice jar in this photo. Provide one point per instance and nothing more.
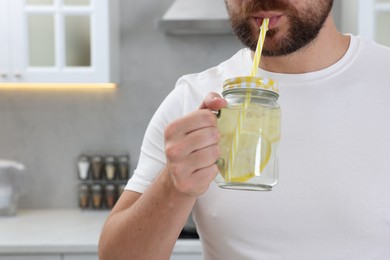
(97, 167)
(110, 195)
(250, 130)
(97, 196)
(84, 196)
(110, 167)
(123, 162)
(83, 165)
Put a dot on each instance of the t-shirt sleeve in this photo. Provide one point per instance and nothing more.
(152, 155)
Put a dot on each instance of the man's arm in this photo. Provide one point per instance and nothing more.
(146, 226)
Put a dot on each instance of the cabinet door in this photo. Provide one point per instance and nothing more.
(30, 257)
(60, 40)
(81, 257)
(382, 22)
(4, 44)
(186, 257)
(373, 20)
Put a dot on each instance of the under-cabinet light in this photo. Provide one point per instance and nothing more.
(58, 86)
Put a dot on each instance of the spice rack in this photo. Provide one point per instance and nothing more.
(102, 179)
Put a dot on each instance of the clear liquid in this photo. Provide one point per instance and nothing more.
(249, 145)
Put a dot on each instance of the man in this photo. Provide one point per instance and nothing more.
(333, 198)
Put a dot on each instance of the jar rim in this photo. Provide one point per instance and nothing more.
(251, 83)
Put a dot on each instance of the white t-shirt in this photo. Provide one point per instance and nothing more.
(333, 196)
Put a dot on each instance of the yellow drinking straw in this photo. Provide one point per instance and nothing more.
(257, 56)
(233, 151)
(259, 47)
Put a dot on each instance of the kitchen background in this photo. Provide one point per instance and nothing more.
(48, 129)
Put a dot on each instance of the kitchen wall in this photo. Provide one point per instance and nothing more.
(47, 129)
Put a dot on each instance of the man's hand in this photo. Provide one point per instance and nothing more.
(191, 147)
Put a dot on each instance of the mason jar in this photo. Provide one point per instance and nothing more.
(250, 134)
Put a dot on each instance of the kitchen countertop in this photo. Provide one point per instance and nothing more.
(61, 231)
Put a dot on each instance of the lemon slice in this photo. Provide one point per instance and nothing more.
(253, 155)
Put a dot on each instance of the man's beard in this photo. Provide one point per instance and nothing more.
(304, 25)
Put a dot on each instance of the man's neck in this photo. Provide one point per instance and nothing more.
(329, 47)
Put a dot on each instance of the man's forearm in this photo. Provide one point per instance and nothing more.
(147, 227)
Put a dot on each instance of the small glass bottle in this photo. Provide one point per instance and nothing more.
(97, 196)
(97, 167)
(83, 166)
(124, 165)
(84, 196)
(110, 195)
(110, 167)
(250, 130)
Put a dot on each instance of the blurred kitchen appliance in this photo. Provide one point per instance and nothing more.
(189, 230)
(11, 186)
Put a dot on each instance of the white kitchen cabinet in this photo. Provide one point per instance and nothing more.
(51, 257)
(61, 41)
(187, 250)
(374, 20)
(186, 257)
(65, 234)
(31, 257)
(81, 257)
(86, 257)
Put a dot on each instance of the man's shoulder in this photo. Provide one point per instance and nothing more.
(373, 49)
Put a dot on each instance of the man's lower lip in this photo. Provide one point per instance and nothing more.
(273, 21)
